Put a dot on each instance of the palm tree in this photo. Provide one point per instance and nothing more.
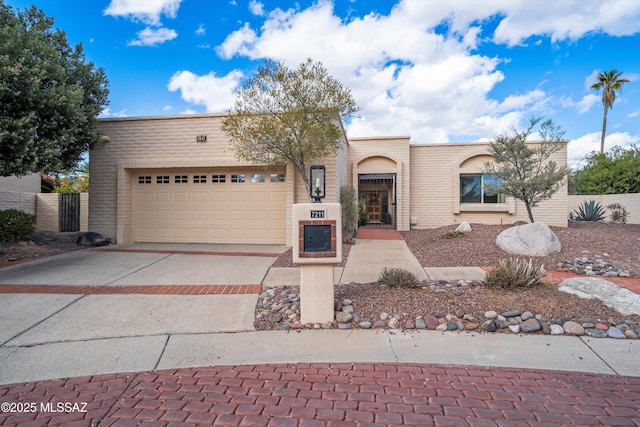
(610, 83)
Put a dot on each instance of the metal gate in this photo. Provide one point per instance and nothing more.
(69, 212)
(377, 200)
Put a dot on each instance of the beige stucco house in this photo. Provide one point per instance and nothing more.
(176, 179)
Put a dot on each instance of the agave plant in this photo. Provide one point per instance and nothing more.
(516, 273)
(589, 210)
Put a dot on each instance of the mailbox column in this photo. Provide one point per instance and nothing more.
(317, 247)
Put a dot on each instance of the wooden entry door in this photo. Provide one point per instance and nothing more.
(374, 206)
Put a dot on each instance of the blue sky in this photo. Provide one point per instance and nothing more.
(437, 70)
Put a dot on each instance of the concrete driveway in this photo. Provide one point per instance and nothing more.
(129, 292)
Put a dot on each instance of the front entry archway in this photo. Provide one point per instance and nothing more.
(377, 200)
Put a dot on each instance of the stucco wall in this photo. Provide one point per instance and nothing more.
(169, 142)
(25, 202)
(630, 201)
(435, 189)
(23, 184)
(47, 216)
(372, 155)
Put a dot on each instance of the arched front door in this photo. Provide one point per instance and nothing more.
(377, 200)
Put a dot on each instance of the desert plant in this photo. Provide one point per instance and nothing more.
(349, 203)
(16, 225)
(617, 213)
(398, 278)
(516, 273)
(363, 216)
(589, 210)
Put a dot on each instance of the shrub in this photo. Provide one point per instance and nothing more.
(516, 273)
(363, 216)
(398, 278)
(16, 225)
(618, 213)
(589, 211)
(349, 203)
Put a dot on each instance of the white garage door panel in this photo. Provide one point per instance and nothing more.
(210, 211)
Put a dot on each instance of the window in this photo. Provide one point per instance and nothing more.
(164, 179)
(237, 177)
(277, 177)
(218, 178)
(144, 180)
(473, 189)
(181, 179)
(257, 177)
(199, 179)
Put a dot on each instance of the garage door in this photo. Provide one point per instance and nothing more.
(210, 206)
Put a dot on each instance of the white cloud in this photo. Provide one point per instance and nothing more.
(146, 11)
(578, 148)
(411, 78)
(153, 37)
(215, 93)
(256, 8)
(201, 30)
(107, 113)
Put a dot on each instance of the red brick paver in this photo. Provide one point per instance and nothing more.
(328, 394)
(378, 234)
(145, 290)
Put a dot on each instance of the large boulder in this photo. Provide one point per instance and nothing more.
(535, 239)
(464, 227)
(92, 239)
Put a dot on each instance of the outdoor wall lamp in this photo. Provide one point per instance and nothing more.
(317, 185)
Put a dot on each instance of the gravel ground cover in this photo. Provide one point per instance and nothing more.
(618, 243)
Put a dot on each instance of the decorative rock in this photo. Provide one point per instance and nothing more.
(327, 325)
(316, 326)
(442, 327)
(460, 326)
(431, 321)
(512, 313)
(616, 333)
(526, 315)
(535, 239)
(556, 329)
(420, 323)
(530, 325)
(490, 314)
(384, 316)
(544, 327)
(365, 325)
(464, 227)
(573, 328)
(514, 328)
(489, 326)
(472, 326)
(344, 325)
(630, 334)
(380, 324)
(344, 317)
(600, 326)
(348, 309)
(409, 324)
(394, 323)
(347, 301)
(595, 333)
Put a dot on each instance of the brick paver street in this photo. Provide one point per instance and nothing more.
(332, 395)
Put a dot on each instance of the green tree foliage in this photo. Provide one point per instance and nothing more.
(526, 171)
(49, 95)
(609, 82)
(282, 115)
(76, 181)
(614, 172)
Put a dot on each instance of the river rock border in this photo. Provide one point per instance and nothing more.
(282, 306)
